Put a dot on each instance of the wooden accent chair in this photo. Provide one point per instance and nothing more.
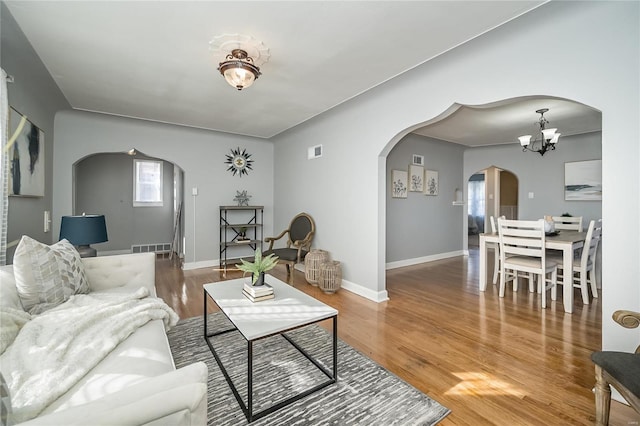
(618, 369)
(299, 236)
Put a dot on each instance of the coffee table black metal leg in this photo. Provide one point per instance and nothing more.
(335, 347)
(250, 381)
(205, 313)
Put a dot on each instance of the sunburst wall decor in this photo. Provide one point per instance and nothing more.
(239, 162)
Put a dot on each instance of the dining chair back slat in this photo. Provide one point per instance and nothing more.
(569, 223)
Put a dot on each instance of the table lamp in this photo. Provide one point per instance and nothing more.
(82, 231)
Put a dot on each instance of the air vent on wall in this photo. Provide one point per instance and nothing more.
(314, 152)
(153, 248)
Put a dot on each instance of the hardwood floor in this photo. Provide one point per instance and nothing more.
(490, 360)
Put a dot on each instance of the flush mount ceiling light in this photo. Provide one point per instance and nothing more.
(241, 67)
(239, 70)
(548, 137)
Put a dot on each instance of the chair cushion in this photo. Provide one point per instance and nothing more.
(289, 254)
(622, 366)
(529, 262)
(299, 228)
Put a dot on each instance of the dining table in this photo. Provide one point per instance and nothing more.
(565, 241)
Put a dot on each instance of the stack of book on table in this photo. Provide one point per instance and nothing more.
(258, 293)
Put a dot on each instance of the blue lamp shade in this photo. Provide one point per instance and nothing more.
(83, 231)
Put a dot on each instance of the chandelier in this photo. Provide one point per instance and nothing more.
(548, 137)
(238, 69)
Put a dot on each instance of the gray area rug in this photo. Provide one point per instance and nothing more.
(365, 392)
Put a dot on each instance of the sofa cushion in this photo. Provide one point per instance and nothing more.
(47, 276)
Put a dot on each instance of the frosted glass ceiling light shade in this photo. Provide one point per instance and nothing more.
(238, 69)
(548, 137)
(525, 140)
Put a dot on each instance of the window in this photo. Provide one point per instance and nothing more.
(147, 183)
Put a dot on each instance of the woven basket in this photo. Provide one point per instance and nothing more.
(330, 277)
(312, 262)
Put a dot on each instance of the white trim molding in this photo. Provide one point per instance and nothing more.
(425, 259)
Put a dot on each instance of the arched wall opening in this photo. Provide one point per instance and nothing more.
(490, 192)
(539, 185)
(103, 184)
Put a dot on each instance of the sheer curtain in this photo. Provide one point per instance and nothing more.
(4, 167)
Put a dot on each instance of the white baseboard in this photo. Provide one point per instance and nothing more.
(201, 264)
(425, 259)
(367, 293)
(376, 296)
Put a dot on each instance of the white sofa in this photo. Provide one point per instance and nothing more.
(137, 383)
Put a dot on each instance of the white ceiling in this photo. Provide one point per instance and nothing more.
(151, 59)
(503, 122)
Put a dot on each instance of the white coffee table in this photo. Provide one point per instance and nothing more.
(290, 309)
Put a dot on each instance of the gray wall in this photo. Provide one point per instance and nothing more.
(591, 42)
(104, 185)
(542, 175)
(201, 154)
(346, 189)
(34, 94)
(419, 226)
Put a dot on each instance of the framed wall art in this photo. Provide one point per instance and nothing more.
(26, 158)
(416, 178)
(431, 182)
(399, 184)
(418, 160)
(583, 180)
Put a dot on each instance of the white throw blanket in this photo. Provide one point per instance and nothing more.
(56, 349)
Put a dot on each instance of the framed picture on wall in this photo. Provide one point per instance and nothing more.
(416, 178)
(431, 182)
(26, 158)
(418, 160)
(399, 184)
(583, 180)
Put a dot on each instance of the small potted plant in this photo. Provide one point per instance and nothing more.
(259, 266)
(242, 234)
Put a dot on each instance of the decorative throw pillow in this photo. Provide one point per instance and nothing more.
(5, 402)
(46, 276)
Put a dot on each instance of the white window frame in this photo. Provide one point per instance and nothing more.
(158, 201)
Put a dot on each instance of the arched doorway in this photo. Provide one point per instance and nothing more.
(490, 192)
(103, 183)
(488, 134)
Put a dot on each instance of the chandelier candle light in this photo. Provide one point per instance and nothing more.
(548, 137)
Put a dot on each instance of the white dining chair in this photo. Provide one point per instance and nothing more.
(522, 249)
(583, 273)
(496, 249)
(570, 223)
